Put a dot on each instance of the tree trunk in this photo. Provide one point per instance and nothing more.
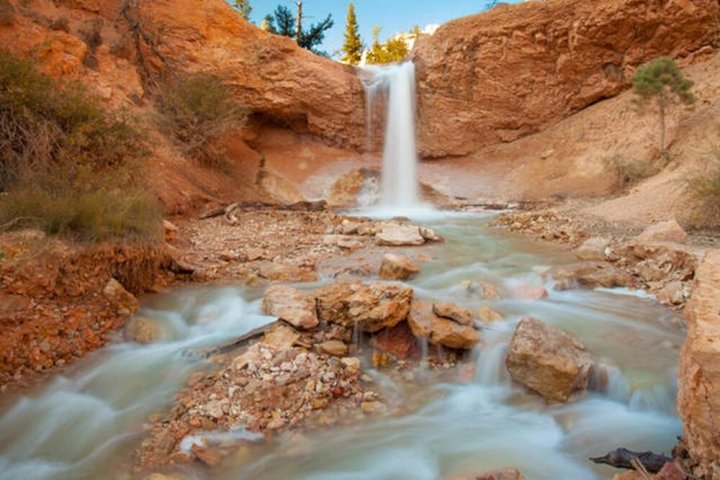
(299, 22)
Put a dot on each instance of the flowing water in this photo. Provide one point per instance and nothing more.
(85, 423)
(399, 190)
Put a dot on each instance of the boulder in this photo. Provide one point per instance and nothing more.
(547, 360)
(398, 267)
(395, 235)
(593, 249)
(143, 330)
(589, 274)
(371, 306)
(699, 393)
(430, 235)
(291, 305)
(440, 331)
(453, 312)
(669, 231)
(398, 341)
(125, 301)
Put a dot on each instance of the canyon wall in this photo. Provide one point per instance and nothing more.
(493, 78)
(699, 397)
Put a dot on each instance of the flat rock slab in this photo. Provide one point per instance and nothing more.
(394, 235)
(291, 305)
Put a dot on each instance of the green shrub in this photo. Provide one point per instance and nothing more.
(67, 166)
(7, 13)
(197, 111)
(630, 172)
(705, 189)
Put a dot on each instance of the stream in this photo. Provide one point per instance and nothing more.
(85, 423)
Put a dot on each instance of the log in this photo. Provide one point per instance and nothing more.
(623, 458)
(227, 210)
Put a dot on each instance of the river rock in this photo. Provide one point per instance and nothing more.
(398, 341)
(143, 330)
(589, 274)
(489, 315)
(440, 331)
(430, 235)
(484, 290)
(593, 248)
(548, 360)
(372, 306)
(507, 474)
(699, 394)
(116, 293)
(291, 305)
(453, 312)
(669, 231)
(527, 292)
(395, 235)
(398, 267)
(336, 348)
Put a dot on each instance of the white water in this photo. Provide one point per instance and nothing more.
(85, 424)
(399, 189)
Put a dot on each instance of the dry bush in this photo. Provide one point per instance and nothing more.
(705, 189)
(91, 34)
(60, 24)
(197, 111)
(630, 172)
(7, 13)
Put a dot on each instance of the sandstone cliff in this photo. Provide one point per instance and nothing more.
(515, 70)
(699, 397)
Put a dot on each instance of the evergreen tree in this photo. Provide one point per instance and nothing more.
(393, 50)
(268, 24)
(283, 22)
(243, 7)
(352, 48)
(662, 82)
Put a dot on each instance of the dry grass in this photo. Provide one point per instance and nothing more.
(630, 172)
(705, 189)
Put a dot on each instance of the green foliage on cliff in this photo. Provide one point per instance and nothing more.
(243, 7)
(393, 50)
(662, 83)
(284, 22)
(67, 165)
(353, 47)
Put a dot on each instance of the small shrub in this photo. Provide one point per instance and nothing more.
(60, 24)
(705, 189)
(91, 34)
(7, 13)
(631, 172)
(197, 111)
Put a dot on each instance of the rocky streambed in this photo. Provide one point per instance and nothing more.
(473, 352)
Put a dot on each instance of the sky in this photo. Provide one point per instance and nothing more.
(393, 16)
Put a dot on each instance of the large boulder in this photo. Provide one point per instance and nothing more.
(547, 360)
(699, 395)
(424, 323)
(495, 77)
(291, 305)
(370, 306)
(396, 235)
(398, 267)
(668, 231)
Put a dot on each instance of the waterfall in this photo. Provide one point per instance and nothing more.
(399, 171)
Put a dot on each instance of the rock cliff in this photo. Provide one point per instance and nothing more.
(699, 397)
(496, 77)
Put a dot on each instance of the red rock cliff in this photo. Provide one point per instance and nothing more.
(498, 76)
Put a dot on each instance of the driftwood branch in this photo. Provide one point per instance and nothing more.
(228, 210)
(235, 343)
(624, 458)
(14, 222)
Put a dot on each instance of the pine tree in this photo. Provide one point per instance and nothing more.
(352, 48)
(243, 7)
(662, 82)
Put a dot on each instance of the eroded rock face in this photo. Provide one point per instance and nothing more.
(291, 305)
(372, 306)
(271, 74)
(548, 360)
(699, 396)
(498, 76)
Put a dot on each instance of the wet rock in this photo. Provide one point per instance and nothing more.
(484, 290)
(335, 348)
(526, 292)
(669, 231)
(593, 248)
(507, 474)
(144, 330)
(489, 315)
(440, 331)
(290, 305)
(280, 337)
(398, 341)
(548, 360)
(398, 267)
(370, 306)
(430, 235)
(453, 312)
(394, 235)
(207, 456)
(116, 293)
(589, 274)
(673, 293)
